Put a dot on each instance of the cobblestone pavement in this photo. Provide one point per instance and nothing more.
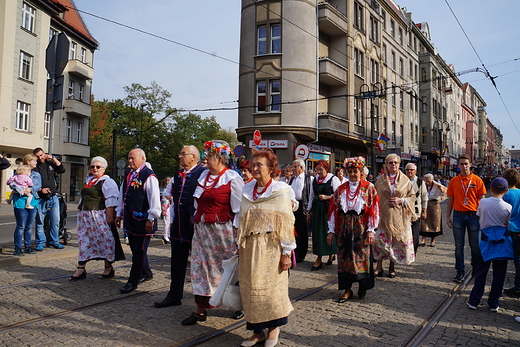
(53, 312)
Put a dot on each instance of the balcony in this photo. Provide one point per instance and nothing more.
(331, 123)
(331, 21)
(74, 149)
(332, 73)
(77, 107)
(81, 69)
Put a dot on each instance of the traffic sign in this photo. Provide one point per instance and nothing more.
(302, 152)
(257, 137)
(238, 151)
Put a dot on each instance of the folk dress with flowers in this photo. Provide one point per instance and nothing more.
(217, 202)
(95, 238)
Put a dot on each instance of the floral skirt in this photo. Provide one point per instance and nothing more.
(95, 238)
(400, 252)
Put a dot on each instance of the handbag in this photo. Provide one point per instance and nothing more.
(227, 294)
(496, 244)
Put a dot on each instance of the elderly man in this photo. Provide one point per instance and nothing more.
(48, 166)
(301, 184)
(182, 211)
(140, 206)
(421, 201)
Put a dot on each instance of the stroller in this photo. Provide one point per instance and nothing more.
(65, 235)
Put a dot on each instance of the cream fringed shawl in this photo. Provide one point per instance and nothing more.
(394, 221)
(270, 215)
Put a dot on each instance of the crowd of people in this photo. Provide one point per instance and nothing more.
(265, 213)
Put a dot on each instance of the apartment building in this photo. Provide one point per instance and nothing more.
(26, 28)
(334, 75)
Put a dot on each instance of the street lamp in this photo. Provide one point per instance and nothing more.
(365, 93)
(143, 104)
(438, 126)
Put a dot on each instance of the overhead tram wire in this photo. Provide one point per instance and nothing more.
(488, 75)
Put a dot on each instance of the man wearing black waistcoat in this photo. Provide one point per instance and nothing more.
(301, 184)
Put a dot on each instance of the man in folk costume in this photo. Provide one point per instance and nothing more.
(181, 188)
(393, 239)
(421, 201)
(139, 207)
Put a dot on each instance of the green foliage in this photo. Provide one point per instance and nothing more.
(161, 131)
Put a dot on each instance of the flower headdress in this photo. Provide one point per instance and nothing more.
(355, 162)
(217, 147)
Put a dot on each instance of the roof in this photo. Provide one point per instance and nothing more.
(73, 20)
(397, 10)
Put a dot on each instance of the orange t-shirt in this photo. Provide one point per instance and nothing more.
(457, 189)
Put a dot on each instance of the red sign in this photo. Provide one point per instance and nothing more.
(257, 137)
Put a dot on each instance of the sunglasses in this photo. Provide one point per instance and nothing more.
(393, 162)
(96, 167)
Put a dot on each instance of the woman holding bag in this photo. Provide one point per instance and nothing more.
(97, 235)
(266, 239)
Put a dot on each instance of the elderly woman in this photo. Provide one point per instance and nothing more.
(393, 239)
(217, 200)
(245, 170)
(266, 239)
(432, 225)
(287, 173)
(322, 189)
(340, 174)
(25, 216)
(354, 214)
(96, 216)
(166, 201)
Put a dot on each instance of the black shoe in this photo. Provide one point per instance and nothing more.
(459, 278)
(316, 268)
(361, 294)
(145, 279)
(379, 274)
(168, 301)
(329, 262)
(514, 292)
(129, 287)
(391, 274)
(110, 274)
(422, 244)
(342, 299)
(238, 315)
(80, 277)
(194, 318)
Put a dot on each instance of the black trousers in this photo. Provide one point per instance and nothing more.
(416, 228)
(140, 267)
(302, 237)
(179, 263)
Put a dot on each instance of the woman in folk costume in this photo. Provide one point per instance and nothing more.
(322, 189)
(393, 239)
(353, 216)
(217, 200)
(432, 226)
(266, 239)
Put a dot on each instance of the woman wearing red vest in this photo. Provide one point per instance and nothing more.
(217, 200)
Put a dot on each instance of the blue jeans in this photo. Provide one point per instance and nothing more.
(514, 236)
(52, 208)
(499, 276)
(461, 223)
(24, 222)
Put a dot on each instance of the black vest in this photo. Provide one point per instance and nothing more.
(136, 204)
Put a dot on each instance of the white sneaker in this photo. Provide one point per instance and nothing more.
(517, 319)
(126, 241)
(471, 306)
(494, 309)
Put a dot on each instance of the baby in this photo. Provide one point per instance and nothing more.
(20, 181)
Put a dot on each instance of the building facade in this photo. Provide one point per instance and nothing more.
(26, 30)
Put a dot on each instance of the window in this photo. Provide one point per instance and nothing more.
(416, 133)
(52, 32)
(83, 56)
(393, 95)
(415, 72)
(392, 28)
(374, 69)
(393, 132)
(424, 107)
(274, 42)
(424, 135)
(374, 29)
(383, 16)
(358, 112)
(400, 37)
(401, 133)
(81, 91)
(358, 16)
(358, 62)
(434, 103)
(410, 69)
(401, 67)
(79, 127)
(415, 44)
(25, 66)
(392, 60)
(423, 75)
(72, 87)
(401, 100)
(383, 53)
(375, 112)
(273, 94)
(68, 137)
(28, 15)
(46, 124)
(276, 39)
(22, 116)
(73, 46)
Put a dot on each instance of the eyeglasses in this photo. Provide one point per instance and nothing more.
(393, 162)
(410, 169)
(96, 167)
(185, 154)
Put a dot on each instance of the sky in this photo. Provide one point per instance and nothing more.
(201, 81)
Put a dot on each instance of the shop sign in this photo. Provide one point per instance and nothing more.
(417, 154)
(406, 156)
(263, 144)
(270, 144)
(320, 149)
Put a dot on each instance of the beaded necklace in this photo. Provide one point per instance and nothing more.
(212, 181)
(255, 189)
(352, 197)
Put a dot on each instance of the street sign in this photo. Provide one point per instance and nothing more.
(121, 164)
(257, 137)
(57, 103)
(302, 152)
(238, 151)
(57, 54)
